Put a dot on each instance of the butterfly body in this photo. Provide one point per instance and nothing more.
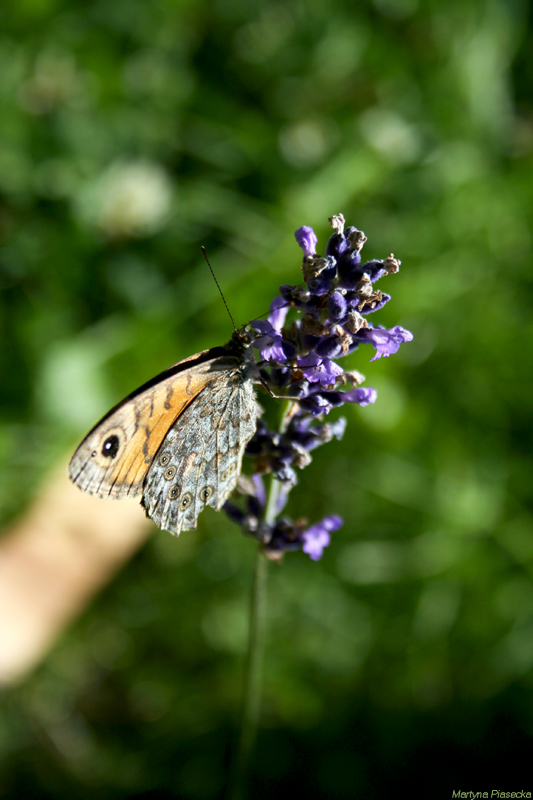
(179, 439)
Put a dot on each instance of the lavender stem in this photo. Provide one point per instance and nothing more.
(252, 680)
(254, 659)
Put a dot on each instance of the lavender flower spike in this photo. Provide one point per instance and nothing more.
(327, 320)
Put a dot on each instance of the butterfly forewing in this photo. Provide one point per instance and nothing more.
(114, 458)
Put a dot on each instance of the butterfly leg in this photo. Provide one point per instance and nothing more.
(279, 396)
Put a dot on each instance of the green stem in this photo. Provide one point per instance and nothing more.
(254, 660)
(252, 680)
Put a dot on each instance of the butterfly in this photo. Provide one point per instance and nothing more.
(179, 439)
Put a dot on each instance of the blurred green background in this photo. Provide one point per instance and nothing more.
(133, 131)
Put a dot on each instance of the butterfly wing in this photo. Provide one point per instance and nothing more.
(114, 458)
(200, 459)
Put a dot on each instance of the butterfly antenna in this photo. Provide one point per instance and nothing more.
(218, 286)
(266, 313)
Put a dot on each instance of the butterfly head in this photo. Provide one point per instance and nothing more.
(244, 337)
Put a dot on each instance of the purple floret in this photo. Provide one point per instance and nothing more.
(317, 537)
(307, 239)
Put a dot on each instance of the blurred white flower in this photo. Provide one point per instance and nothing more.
(388, 133)
(128, 199)
(307, 142)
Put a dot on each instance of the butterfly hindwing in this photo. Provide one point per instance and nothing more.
(200, 458)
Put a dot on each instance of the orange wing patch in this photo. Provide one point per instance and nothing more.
(113, 459)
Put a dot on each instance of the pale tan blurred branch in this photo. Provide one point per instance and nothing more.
(53, 561)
